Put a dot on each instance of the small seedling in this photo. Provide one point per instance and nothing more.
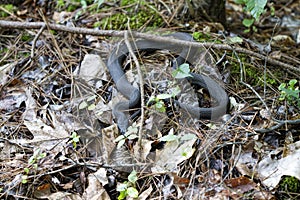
(130, 134)
(75, 139)
(159, 105)
(128, 187)
(255, 8)
(290, 92)
(33, 163)
(183, 71)
(89, 103)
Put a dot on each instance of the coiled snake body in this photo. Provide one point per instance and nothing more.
(114, 65)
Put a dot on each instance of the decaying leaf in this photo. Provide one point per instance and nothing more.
(92, 67)
(243, 184)
(271, 170)
(45, 135)
(95, 189)
(173, 153)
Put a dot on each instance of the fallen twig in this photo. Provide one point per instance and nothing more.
(278, 125)
(141, 87)
(114, 33)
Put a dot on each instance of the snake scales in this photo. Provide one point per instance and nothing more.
(118, 55)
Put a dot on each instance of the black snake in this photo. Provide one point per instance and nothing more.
(118, 55)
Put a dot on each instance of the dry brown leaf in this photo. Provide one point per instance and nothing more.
(242, 184)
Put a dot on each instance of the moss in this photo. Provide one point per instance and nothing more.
(252, 74)
(146, 14)
(26, 37)
(129, 2)
(9, 7)
(204, 37)
(72, 5)
(289, 184)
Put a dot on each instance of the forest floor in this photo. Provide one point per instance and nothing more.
(59, 138)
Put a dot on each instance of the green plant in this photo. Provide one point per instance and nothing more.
(9, 7)
(33, 163)
(81, 5)
(171, 137)
(130, 134)
(60, 4)
(159, 105)
(88, 103)
(128, 187)
(75, 139)
(137, 14)
(256, 8)
(205, 37)
(289, 184)
(182, 71)
(290, 92)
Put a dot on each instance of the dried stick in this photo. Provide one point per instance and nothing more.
(141, 86)
(86, 31)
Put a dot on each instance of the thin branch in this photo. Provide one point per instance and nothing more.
(141, 86)
(35, 39)
(247, 85)
(278, 125)
(113, 33)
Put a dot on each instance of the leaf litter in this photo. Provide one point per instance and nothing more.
(230, 160)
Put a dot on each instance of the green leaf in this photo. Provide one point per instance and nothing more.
(91, 98)
(75, 137)
(168, 138)
(119, 138)
(78, 14)
(175, 91)
(120, 144)
(254, 29)
(236, 39)
(189, 136)
(41, 155)
(281, 86)
(152, 99)
(182, 71)
(122, 195)
(292, 82)
(256, 7)
(248, 22)
(272, 9)
(247, 30)
(83, 4)
(132, 177)
(132, 192)
(189, 151)
(122, 187)
(164, 96)
(92, 107)
(132, 137)
(211, 126)
(32, 160)
(160, 106)
(26, 170)
(83, 105)
(24, 179)
(131, 129)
